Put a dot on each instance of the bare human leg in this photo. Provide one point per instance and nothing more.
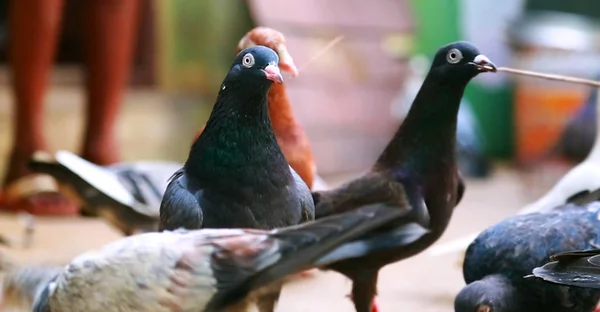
(110, 30)
(34, 27)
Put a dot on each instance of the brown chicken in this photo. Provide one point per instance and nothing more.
(291, 137)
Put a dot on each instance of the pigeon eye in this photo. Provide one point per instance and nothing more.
(454, 56)
(248, 60)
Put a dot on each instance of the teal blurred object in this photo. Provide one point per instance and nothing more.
(437, 23)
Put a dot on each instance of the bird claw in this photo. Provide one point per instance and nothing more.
(375, 305)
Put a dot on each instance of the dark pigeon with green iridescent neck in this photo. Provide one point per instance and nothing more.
(418, 164)
(235, 175)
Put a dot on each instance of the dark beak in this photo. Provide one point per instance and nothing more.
(484, 64)
(273, 73)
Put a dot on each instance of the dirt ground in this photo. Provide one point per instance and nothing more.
(423, 283)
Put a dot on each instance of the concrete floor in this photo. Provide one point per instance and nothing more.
(423, 283)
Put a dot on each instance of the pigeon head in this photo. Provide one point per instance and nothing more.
(491, 294)
(272, 39)
(461, 60)
(256, 67)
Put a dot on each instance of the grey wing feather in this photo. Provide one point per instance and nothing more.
(584, 197)
(147, 272)
(179, 207)
(146, 181)
(375, 242)
(575, 268)
(307, 203)
(294, 249)
(407, 229)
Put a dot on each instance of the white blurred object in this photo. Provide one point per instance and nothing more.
(455, 245)
(552, 30)
(319, 184)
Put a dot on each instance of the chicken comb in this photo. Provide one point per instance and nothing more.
(269, 36)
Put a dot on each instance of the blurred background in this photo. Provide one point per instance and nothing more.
(351, 99)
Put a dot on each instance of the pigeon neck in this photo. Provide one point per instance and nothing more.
(238, 136)
(427, 137)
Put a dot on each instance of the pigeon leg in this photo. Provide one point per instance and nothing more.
(375, 305)
(267, 302)
(364, 290)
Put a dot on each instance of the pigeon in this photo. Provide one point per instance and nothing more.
(498, 262)
(127, 195)
(191, 270)
(419, 163)
(236, 175)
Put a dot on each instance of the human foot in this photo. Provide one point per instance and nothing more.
(36, 194)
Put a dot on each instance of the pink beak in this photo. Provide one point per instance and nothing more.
(273, 73)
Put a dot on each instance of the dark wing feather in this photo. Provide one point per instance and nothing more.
(378, 241)
(574, 268)
(373, 187)
(574, 255)
(145, 180)
(584, 197)
(376, 187)
(290, 250)
(179, 207)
